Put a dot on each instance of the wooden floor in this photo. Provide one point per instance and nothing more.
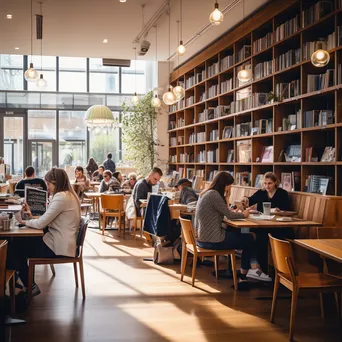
(129, 299)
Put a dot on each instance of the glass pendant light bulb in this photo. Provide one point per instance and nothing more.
(41, 83)
(179, 92)
(181, 48)
(155, 102)
(31, 74)
(169, 97)
(135, 99)
(216, 17)
(320, 58)
(244, 75)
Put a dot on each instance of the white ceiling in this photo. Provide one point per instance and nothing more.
(78, 27)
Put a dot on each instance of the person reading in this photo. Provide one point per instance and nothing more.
(62, 219)
(29, 180)
(187, 193)
(144, 186)
(212, 207)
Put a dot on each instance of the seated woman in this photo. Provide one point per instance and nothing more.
(187, 193)
(211, 208)
(81, 180)
(91, 168)
(107, 180)
(115, 185)
(98, 174)
(128, 185)
(279, 199)
(62, 219)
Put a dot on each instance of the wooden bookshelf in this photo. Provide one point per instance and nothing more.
(211, 83)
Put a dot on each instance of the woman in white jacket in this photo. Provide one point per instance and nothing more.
(62, 219)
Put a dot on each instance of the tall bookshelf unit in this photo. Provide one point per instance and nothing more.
(211, 86)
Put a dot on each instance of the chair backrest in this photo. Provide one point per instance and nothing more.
(113, 202)
(329, 233)
(188, 232)
(3, 255)
(81, 236)
(3, 189)
(283, 257)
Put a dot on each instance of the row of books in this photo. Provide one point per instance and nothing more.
(321, 81)
(243, 178)
(312, 154)
(227, 62)
(316, 184)
(226, 86)
(212, 174)
(285, 60)
(173, 158)
(186, 157)
(288, 90)
(339, 35)
(214, 135)
(214, 90)
(262, 126)
(213, 69)
(287, 28)
(213, 113)
(180, 122)
(197, 137)
(310, 47)
(173, 141)
(316, 12)
(213, 156)
(312, 118)
(263, 69)
(244, 53)
(230, 156)
(203, 97)
(292, 121)
(189, 101)
(201, 157)
(290, 181)
(263, 42)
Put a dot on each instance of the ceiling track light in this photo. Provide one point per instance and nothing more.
(216, 16)
(9, 16)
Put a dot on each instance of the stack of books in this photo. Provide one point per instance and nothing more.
(288, 28)
(287, 59)
(316, 12)
(263, 69)
(227, 62)
(263, 42)
(200, 137)
(192, 138)
(173, 158)
(173, 141)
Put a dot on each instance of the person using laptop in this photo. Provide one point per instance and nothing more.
(29, 180)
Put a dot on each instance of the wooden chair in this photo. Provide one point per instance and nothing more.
(287, 275)
(136, 220)
(3, 254)
(78, 259)
(190, 246)
(113, 206)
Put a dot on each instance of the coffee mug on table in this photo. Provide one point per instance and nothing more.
(267, 208)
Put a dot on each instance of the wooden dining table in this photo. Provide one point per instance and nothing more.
(329, 248)
(21, 232)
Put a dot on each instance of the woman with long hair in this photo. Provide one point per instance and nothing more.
(62, 220)
(81, 180)
(212, 207)
(91, 167)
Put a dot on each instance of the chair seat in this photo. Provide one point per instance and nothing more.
(200, 250)
(315, 280)
(47, 261)
(9, 275)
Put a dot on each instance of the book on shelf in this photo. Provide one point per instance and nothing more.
(243, 129)
(200, 137)
(263, 69)
(181, 172)
(259, 181)
(293, 154)
(190, 172)
(267, 154)
(287, 28)
(292, 121)
(180, 140)
(189, 101)
(316, 12)
(226, 86)
(328, 154)
(230, 156)
(213, 69)
(214, 135)
(263, 42)
(320, 81)
(317, 184)
(244, 151)
(243, 178)
(203, 97)
(190, 81)
(244, 53)
(173, 158)
(197, 182)
(327, 43)
(173, 141)
(286, 181)
(214, 90)
(212, 174)
(227, 132)
(180, 122)
(287, 59)
(310, 155)
(288, 90)
(313, 118)
(227, 62)
(201, 157)
(260, 99)
(172, 124)
(213, 156)
(263, 126)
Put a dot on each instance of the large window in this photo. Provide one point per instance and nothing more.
(47, 66)
(11, 72)
(134, 79)
(102, 79)
(72, 74)
(72, 138)
(42, 124)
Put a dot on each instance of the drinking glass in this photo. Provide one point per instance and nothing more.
(267, 208)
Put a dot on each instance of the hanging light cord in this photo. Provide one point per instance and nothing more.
(41, 41)
(169, 35)
(31, 28)
(181, 20)
(135, 69)
(178, 53)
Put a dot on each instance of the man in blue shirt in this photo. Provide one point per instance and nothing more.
(109, 164)
(29, 180)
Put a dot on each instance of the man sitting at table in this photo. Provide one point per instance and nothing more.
(98, 174)
(29, 180)
(144, 186)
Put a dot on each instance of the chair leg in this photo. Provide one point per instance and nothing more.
(52, 267)
(321, 304)
(141, 231)
(123, 221)
(233, 261)
(12, 295)
(183, 261)
(194, 264)
(75, 273)
(82, 277)
(216, 260)
(293, 312)
(275, 295)
(134, 228)
(103, 223)
(30, 281)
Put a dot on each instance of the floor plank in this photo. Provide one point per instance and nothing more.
(129, 299)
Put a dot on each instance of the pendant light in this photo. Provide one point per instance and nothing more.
(135, 99)
(320, 57)
(181, 47)
(31, 74)
(155, 102)
(216, 16)
(178, 90)
(41, 83)
(169, 97)
(245, 74)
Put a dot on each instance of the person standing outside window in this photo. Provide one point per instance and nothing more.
(109, 163)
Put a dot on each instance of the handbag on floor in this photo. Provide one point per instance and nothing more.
(163, 255)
